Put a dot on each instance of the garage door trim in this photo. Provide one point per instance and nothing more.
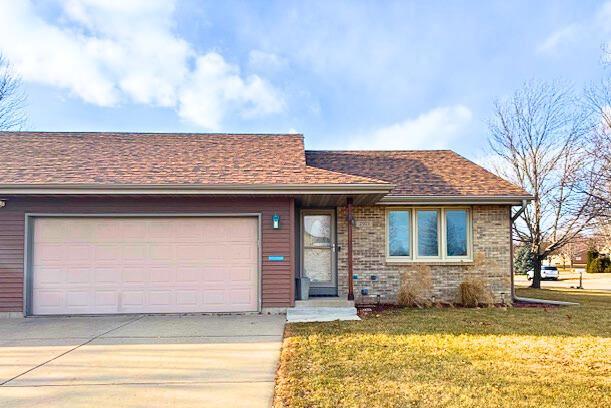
(28, 244)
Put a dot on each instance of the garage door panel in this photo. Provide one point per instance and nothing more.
(160, 230)
(161, 274)
(49, 275)
(135, 275)
(78, 299)
(214, 296)
(107, 275)
(106, 252)
(135, 253)
(161, 252)
(76, 275)
(187, 297)
(160, 298)
(133, 230)
(243, 274)
(144, 265)
(105, 230)
(108, 299)
(49, 252)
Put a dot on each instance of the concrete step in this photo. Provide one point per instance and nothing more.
(325, 302)
(320, 314)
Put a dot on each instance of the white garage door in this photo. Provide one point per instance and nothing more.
(144, 265)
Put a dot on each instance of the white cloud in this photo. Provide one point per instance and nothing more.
(215, 85)
(596, 28)
(266, 61)
(111, 51)
(560, 38)
(434, 129)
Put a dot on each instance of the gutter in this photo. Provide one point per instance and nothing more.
(196, 189)
(454, 200)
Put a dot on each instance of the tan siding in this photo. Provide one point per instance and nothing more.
(277, 277)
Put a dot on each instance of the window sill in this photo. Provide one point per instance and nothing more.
(452, 262)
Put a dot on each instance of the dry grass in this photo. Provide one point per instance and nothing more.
(474, 292)
(454, 357)
(416, 288)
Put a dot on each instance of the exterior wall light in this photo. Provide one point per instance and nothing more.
(2, 203)
(276, 221)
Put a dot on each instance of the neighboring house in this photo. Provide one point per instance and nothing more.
(575, 254)
(138, 223)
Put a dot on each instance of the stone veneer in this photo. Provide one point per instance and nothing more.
(491, 248)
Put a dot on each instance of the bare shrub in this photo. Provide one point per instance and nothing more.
(416, 288)
(474, 292)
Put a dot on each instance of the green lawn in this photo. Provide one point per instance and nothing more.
(495, 357)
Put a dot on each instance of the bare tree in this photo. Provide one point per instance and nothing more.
(598, 104)
(12, 98)
(539, 137)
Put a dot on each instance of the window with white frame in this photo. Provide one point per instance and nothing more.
(434, 234)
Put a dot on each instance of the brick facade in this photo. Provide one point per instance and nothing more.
(491, 249)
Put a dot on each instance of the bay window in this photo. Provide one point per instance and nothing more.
(435, 234)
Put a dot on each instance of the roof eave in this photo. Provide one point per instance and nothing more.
(455, 200)
(195, 189)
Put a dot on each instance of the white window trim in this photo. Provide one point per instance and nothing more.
(410, 228)
(441, 236)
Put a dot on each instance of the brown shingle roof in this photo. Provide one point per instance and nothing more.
(418, 173)
(42, 158)
(106, 159)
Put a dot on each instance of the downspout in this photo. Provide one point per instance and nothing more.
(350, 219)
(513, 219)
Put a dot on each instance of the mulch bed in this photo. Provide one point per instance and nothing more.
(364, 310)
(369, 309)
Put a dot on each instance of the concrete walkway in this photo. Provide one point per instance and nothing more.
(139, 361)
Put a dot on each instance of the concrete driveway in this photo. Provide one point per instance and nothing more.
(139, 361)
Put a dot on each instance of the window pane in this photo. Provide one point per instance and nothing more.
(428, 244)
(317, 264)
(398, 233)
(317, 230)
(456, 232)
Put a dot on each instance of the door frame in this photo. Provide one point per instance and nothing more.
(320, 290)
(29, 244)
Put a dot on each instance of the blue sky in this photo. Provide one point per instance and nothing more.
(358, 74)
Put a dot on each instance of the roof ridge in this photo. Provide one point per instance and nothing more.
(378, 151)
(74, 132)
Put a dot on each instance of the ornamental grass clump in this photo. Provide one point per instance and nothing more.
(416, 288)
(475, 293)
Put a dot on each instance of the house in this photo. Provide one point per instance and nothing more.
(98, 223)
(574, 255)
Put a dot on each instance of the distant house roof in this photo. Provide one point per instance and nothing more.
(419, 172)
(253, 161)
(41, 158)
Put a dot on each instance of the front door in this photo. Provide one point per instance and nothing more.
(318, 251)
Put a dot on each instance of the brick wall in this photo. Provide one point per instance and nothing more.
(491, 248)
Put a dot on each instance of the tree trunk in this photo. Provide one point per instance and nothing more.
(537, 272)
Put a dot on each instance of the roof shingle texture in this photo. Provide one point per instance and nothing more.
(38, 158)
(418, 173)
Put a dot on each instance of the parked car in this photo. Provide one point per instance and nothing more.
(547, 272)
